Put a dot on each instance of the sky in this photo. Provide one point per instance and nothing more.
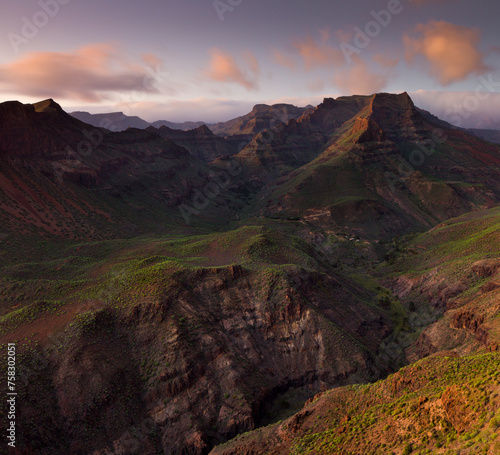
(212, 60)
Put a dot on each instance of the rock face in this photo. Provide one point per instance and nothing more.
(201, 142)
(259, 119)
(374, 164)
(196, 367)
(62, 177)
(413, 410)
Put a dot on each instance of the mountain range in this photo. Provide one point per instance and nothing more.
(297, 280)
(260, 118)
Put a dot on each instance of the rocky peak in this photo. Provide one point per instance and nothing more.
(48, 106)
(14, 111)
(370, 130)
(260, 108)
(396, 115)
(203, 130)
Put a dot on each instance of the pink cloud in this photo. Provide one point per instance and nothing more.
(318, 54)
(358, 80)
(282, 59)
(450, 51)
(386, 61)
(223, 68)
(91, 74)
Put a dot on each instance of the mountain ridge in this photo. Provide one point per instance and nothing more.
(210, 285)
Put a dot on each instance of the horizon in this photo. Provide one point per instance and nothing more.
(312, 268)
(460, 121)
(212, 61)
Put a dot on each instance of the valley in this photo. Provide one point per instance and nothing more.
(297, 280)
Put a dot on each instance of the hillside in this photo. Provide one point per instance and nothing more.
(200, 142)
(330, 284)
(348, 166)
(447, 400)
(61, 177)
(261, 117)
(199, 333)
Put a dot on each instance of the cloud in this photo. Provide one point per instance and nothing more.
(223, 68)
(345, 35)
(282, 59)
(316, 85)
(472, 109)
(434, 2)
(316, 55)
(209, 110)
(450, 51)
(385, 61)
(251, 61)
(92, 73)
(358, 80)
(196, 109)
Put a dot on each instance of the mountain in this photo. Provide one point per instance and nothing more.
(348, 166)
(184, 126)
(62, 177)
(487, 135)
(118, 121)
(446, 401)
(113, 121)
(200, 142)
(260, 118)
(328, 286)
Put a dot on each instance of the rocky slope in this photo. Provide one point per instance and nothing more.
(373, 165)
(66, 178)
(200, 142)
(439, 405)
(453, 272)
(446, 401)
(261, 117)
(149, 349)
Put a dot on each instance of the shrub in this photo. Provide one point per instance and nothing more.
(495, 422)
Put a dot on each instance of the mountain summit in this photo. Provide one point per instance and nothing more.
(374, 164)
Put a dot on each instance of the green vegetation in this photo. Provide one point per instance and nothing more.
(438, 405)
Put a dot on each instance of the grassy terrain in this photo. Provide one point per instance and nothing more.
(439, 405)
(117, 272)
